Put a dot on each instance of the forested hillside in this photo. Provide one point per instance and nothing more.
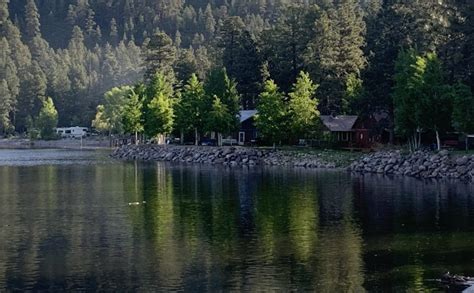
(75, 50)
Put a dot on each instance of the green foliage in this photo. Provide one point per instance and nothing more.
(5, 98)
(192, 106)
(160, 119)
(47, 120)
(221, 85)
(463, 109)
(83, 50)
(303, 111)
(353, 95)
(335, 53)
(100, 122)
(110, 115)
(406, 103)
(158, 106)
(242, 59)
(422, 99)
(271, 120)
(160, 54)
(218, 119)
(132, 117)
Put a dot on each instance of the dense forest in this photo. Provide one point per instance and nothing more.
(364, 57)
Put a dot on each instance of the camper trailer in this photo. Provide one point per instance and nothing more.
(72, 132)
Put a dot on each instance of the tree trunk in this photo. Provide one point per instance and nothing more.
(438, 141)
(181, 138)
(467, 142)
(136, 138)
(196, 139)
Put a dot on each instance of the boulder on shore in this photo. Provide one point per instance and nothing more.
(230, 156)
(420, 164)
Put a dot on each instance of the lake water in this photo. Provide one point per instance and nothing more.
(66, 224)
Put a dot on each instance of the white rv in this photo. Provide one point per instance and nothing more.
(72, 132)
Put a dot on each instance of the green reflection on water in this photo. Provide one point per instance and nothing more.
(205, 228)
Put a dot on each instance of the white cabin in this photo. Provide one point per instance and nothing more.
(72, 132)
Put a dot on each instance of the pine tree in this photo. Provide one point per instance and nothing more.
(303, 111)
(186, 64)
(463, 110)
(336, 51)
(159, 55)
(4, 14)
(132, 115)
(192, 108)
(5, 102)
(158, 106)
(271, 120)
(285, 44)
(219, 84)
(32, 19)
(113, 32)
(219, 119)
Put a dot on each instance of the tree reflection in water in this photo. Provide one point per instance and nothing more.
(206, 228)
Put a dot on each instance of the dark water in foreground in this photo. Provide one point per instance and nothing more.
(65, 223)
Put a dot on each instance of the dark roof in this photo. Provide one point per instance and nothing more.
(341, 123)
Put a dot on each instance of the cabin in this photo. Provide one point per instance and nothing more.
(72, 132)
(248, 132)
(348, 131)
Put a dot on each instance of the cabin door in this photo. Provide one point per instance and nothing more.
(241, 138)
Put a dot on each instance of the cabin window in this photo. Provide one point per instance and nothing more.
(68, 131)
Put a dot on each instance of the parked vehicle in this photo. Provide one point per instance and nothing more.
(229, 141)
(72, 132)
(209, 142)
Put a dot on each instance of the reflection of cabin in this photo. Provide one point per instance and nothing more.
(348, 131)
(247, 132)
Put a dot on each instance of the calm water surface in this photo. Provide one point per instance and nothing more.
(65, 224)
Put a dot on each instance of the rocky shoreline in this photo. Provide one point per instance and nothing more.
(230, 156)
(420, 164)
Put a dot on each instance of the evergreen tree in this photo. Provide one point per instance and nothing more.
(463, 110)
(192, 108)
(4, 14)
(271, 120)
(158, 106)
(285, 44)
(336, 51)
(32, 19)
(219, 119)
(47, 119)
(186, 64)
(303, 111)
(160, 55)
(113, 32)
(5, 108)
(132, 115)
(219, 84)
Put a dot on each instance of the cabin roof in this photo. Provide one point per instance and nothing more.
(341, 123)
(247, 114)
